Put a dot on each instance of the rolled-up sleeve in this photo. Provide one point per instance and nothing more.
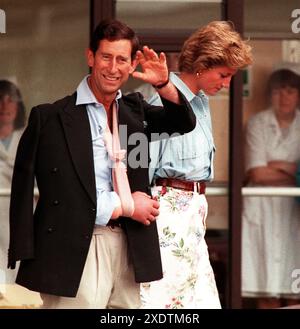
(256, 146)
(107, 201)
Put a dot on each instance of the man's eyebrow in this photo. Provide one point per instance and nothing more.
(104, 53)
(124, 57)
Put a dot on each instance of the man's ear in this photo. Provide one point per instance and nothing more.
(134, 64)
(90, 57)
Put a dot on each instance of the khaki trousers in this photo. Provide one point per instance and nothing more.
(108, 277)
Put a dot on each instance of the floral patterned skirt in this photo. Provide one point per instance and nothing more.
(188, 279)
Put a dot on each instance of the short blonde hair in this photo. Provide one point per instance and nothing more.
(216, 44)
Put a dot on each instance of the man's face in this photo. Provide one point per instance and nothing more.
(111, 66)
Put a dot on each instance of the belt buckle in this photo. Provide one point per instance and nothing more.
(199, 187)
(196, 187)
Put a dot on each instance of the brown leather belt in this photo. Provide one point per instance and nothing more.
(113, 223)
(199, 186)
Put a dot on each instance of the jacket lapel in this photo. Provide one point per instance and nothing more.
(78, 135)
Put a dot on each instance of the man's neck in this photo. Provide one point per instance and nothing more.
(106, 100)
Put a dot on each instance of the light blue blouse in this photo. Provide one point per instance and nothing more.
(189, 156)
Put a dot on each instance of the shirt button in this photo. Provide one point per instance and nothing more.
(56, 202)
(50, 230)
(54, 170)
(93, 209)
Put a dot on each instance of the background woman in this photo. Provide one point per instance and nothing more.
(271, 225)
(12, 121)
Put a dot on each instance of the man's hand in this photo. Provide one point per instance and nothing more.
(155, 69)
(145, 208)
(155, 72)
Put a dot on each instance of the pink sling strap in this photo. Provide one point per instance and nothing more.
(119, 170)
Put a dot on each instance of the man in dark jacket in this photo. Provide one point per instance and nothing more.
(76, 249)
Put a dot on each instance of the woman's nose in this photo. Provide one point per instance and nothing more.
(226, 83)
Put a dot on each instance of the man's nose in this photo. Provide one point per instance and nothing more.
(113, 65)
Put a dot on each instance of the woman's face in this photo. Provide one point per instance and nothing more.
(8, 110)
(285, 100)
(212, 80)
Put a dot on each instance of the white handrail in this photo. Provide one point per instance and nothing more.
(256, 191)
(271, 191)
(216, 191)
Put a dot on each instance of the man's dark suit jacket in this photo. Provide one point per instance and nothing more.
(56, 149)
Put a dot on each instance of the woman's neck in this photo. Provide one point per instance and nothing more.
(6, 130)
(284, 120)
(189, 80)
